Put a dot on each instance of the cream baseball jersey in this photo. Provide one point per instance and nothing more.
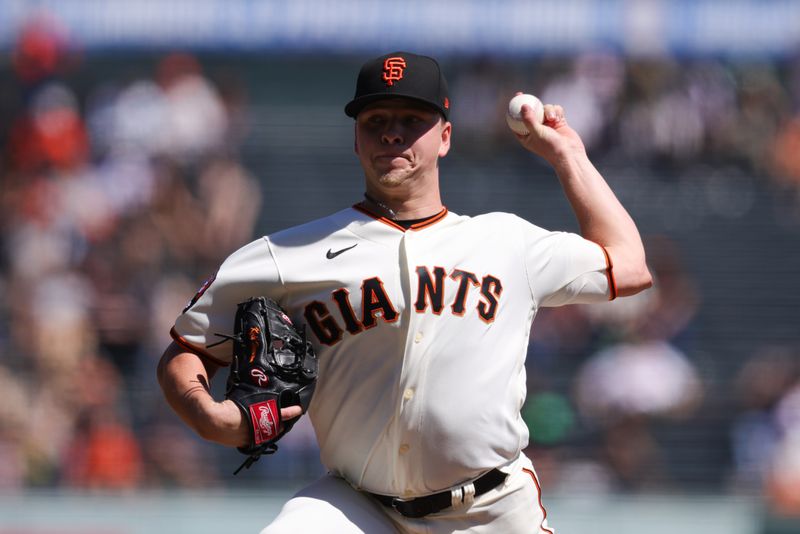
(421, 334)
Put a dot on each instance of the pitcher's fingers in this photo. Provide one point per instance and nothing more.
(553, 114)
(290, 412)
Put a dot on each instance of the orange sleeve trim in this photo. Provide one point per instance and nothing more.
(541, 505)
(612, 284)
(195, 349)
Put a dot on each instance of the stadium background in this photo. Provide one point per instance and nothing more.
(144, 141)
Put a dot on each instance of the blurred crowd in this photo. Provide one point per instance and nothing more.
(702, 135)
(119, 197)
(115, 201)
(653, 111)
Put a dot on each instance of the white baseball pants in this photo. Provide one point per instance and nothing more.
(331, 505)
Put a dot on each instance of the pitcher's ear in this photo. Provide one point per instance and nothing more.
(447, 131)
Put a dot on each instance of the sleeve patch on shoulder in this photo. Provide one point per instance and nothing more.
(203, 288)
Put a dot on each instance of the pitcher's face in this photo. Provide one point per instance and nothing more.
(398, 140)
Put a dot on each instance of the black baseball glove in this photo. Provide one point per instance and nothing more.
(274, 366)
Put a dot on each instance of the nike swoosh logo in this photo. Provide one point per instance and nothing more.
(330, 255)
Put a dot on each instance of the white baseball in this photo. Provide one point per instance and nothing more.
(514, 117)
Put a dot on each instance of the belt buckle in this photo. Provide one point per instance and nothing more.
(396, 501)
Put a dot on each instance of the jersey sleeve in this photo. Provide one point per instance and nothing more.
(250, 271)
(564, 268)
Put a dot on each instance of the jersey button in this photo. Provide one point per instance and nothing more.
(404, 448)
(408, 394)
(418, 337)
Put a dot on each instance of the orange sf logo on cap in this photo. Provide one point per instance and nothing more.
(393, 69)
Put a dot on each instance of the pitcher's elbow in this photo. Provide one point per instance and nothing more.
(633, 282)
(645, 280)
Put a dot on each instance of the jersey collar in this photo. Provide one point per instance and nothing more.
(389, 222)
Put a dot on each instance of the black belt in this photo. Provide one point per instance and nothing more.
(430, 504)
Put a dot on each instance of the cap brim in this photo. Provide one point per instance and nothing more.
(354, 107)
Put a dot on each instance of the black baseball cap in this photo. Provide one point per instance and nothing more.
(401, 75)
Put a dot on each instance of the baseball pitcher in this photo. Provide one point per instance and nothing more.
(418, 322)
